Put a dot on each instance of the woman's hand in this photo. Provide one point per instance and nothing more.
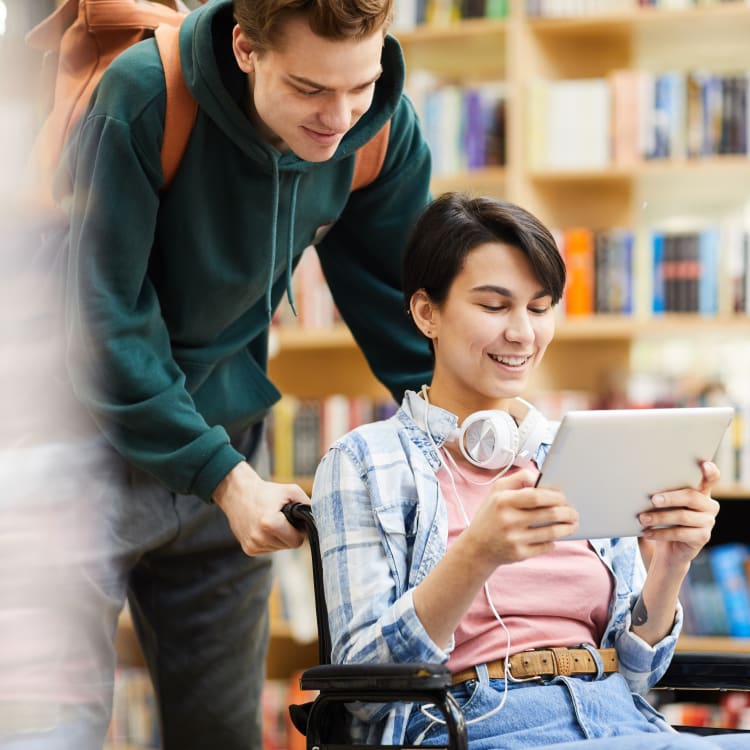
(519, 520)
(690, 515)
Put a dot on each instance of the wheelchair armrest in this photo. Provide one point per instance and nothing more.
(376, 678)
(338, 684)
(707, 671)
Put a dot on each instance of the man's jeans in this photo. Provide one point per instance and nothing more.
(78, 532)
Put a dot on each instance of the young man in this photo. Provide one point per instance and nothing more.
(169, 297)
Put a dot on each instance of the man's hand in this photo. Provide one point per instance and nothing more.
(253, 507)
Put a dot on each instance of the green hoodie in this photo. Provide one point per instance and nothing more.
(169, 296)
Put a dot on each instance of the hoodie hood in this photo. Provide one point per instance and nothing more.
(218, 85)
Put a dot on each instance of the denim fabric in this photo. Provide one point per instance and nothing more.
(567, 713)
(383, 526)
(198, 602)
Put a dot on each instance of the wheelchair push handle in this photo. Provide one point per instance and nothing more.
(298, 514)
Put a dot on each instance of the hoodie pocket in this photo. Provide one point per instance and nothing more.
(234, 392)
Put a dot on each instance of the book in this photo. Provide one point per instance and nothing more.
(282, 440)
(738, 252)
(613, 264)
(578, 122)
(578, 251)
(536, 138)
(306, 451)
(728, 566)
(708, 281)
(627, 148)
(658, 299)
(705, 597)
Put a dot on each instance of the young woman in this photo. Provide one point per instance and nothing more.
(434, 553)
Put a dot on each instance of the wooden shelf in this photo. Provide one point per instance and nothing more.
(329, 359)
(465, 30)
(732, 492)
(488, 181)
(711, 644)
(600, 327)
(630, 21)
(478, 42)
(311, 339)
(613, 327)
(332, 363)
(671, 168)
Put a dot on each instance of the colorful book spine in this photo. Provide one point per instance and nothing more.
(705, 597)
(658, 299)
(578, 251)
(613, 265)
(708, 284)
(728, 566)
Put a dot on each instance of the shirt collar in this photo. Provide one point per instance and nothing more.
(437, 423)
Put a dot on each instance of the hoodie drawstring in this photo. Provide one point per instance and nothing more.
(290, 242)
(274, 220)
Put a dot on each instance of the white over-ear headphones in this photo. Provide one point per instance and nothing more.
(491, 439)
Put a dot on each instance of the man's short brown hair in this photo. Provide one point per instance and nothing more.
(263, 21)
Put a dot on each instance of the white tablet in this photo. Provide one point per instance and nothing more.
(609, 462)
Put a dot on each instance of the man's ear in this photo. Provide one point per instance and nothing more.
(243, 50)
(424, 313)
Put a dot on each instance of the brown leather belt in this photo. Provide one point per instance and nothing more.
(548, 662)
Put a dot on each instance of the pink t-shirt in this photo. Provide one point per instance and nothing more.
(539, 612)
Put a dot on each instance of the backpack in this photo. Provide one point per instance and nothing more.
(82, 37)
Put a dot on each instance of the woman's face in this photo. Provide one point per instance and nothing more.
(491, 332)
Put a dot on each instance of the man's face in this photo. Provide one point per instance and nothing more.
(307, 93)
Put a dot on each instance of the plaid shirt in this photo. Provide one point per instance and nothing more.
(383, 526)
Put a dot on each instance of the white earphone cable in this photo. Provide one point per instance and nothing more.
(463, 476)
(425, 707)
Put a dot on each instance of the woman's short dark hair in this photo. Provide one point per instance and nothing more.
(455, 224)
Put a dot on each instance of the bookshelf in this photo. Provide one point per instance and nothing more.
(589, 352)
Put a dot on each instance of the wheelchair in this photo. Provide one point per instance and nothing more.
(322, 721)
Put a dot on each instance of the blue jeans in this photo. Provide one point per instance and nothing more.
(92, 531)
(567, 713)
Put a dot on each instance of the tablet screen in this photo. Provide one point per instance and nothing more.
(609, 462)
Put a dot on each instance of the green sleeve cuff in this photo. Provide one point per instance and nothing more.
(215, 469)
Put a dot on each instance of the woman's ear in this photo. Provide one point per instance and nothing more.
(243, 50)
(424, 313)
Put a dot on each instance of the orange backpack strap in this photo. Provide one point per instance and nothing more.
(182, 109)
(368, 160)
(80, 39)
